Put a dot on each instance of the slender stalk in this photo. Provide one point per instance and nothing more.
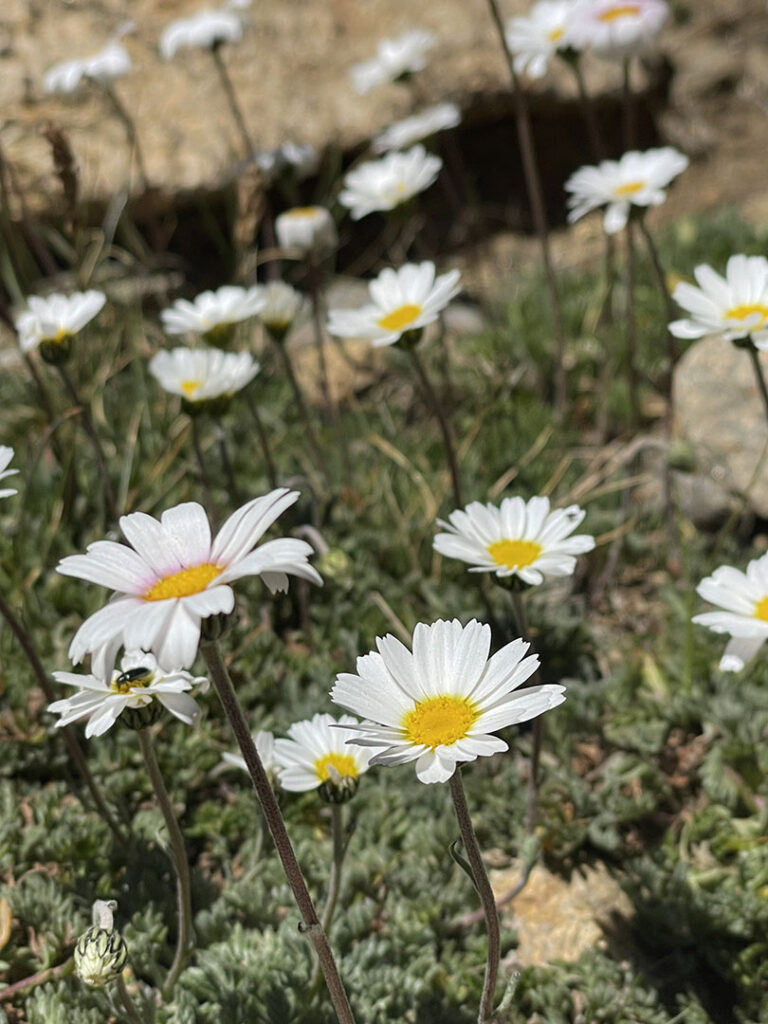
(179, 852)
(521, 621)
(485, 892)
(301, 405)
(628, 103)
(536, 200)
(588, 110)
(197, 447)
(661, 280)
(311, 923)
(266, 451)
(226, 462)
(130, 131)
(334, 880)
(759, 376)
(125, 997)
(34, 980)
(73, 747)
(47, 404)
(631, 328)
(313, 280)
(234, 105)
(93, 437)
(442, 420)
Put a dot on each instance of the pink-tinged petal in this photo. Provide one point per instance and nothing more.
(156, 546)
(246, 526)
(219, 599)
(188, 525)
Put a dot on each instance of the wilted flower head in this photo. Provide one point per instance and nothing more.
(174, 575)
(203, 375)
(637, 179)
(517, 538)
(617, 28)
(535, 38)
(318, 755)
(378, 185)
(213, 314)
(733, 307)
(113, 61)
(439, 704)
(394, 59)
(281, 307)
(417, 127)
(139, 685)
(309, 229)
(204, 30)
(402, 300)
(51, 322)
(743, 598)
(6, 454)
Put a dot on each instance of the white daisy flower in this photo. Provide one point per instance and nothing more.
(378, 185)
(318, 752)
(534, 39)
(300, 160)
(138, 683)
(617, 28)
(306, 228)
(6, 454)
(264, 742)
(205, 30)
(417, 127)
(281, 307)
(394, 59)
(213, 314)
(637, 179)
(54, 320)
(203, 374)
(744, 600)
(734, 306)
(439, 705)
(402, 300)
(173, 576)
(517, 538)
(113, 61)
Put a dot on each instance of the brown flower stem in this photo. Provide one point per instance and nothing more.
(484, 891)
(631, 329)
(73, 747)
(261, 431)
(34, 980)
(130, 130)
(184, 940)
(234, 105)
(125, 997)
(445, 430)
(266, 797)
(536, 200)
(521, 621)
(759, 375)
(93, 437)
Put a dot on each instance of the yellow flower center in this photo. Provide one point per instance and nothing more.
(630, 189)
(189, 387)
(183, 583)
(344, 764)
(299, 212)
(514, 554)
(59, 337)
(761, 609)
(747, 310)
(400, 318)
(440, 721)
(133, 679)
(622, 11)
(555, 35)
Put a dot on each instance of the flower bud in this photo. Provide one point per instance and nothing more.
(101, 952)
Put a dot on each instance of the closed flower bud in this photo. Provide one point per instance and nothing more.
(101, 952)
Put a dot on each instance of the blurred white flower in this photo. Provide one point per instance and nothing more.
(203, 374)
(420, 126)
(210, 312)
(299, 160)
(112, 62)
(173, 576)
(637, 179)
(617, 28)
(378, 185)
(264, 742)
(743, 598)
(534, 39)
(439, 704)
(402, 300)
(734, 306)
(139, 681)
(394, 58)
(518, 538)
(281, 306)
(57, 318)
(318, 751)
(205, 30)
(310, 229)
(6, 454)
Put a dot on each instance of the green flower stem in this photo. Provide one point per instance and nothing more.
(521, 621)
(631, 328)
(315, 294)
(183, 881)
(226, 462)
(311, 923)
(130, 130)
(266, 451)
(125, 997)
(628, 103)
(234, 105)
(73, 747)
(485, 892)
(301, 405)
(93, 437)
(536, 200)
(588, 109)
(445, 430)
(334, 880)
(47, 404)
(759, 376)
(198, 450)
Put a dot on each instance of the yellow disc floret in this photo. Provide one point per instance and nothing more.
(761, 609)
(400, 318)
(747, 310)
(440, 721)
(514, 554)
(621, 11)
(184, 583)
(343, 764)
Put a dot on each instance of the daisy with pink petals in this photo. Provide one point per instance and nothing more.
(174, 575)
